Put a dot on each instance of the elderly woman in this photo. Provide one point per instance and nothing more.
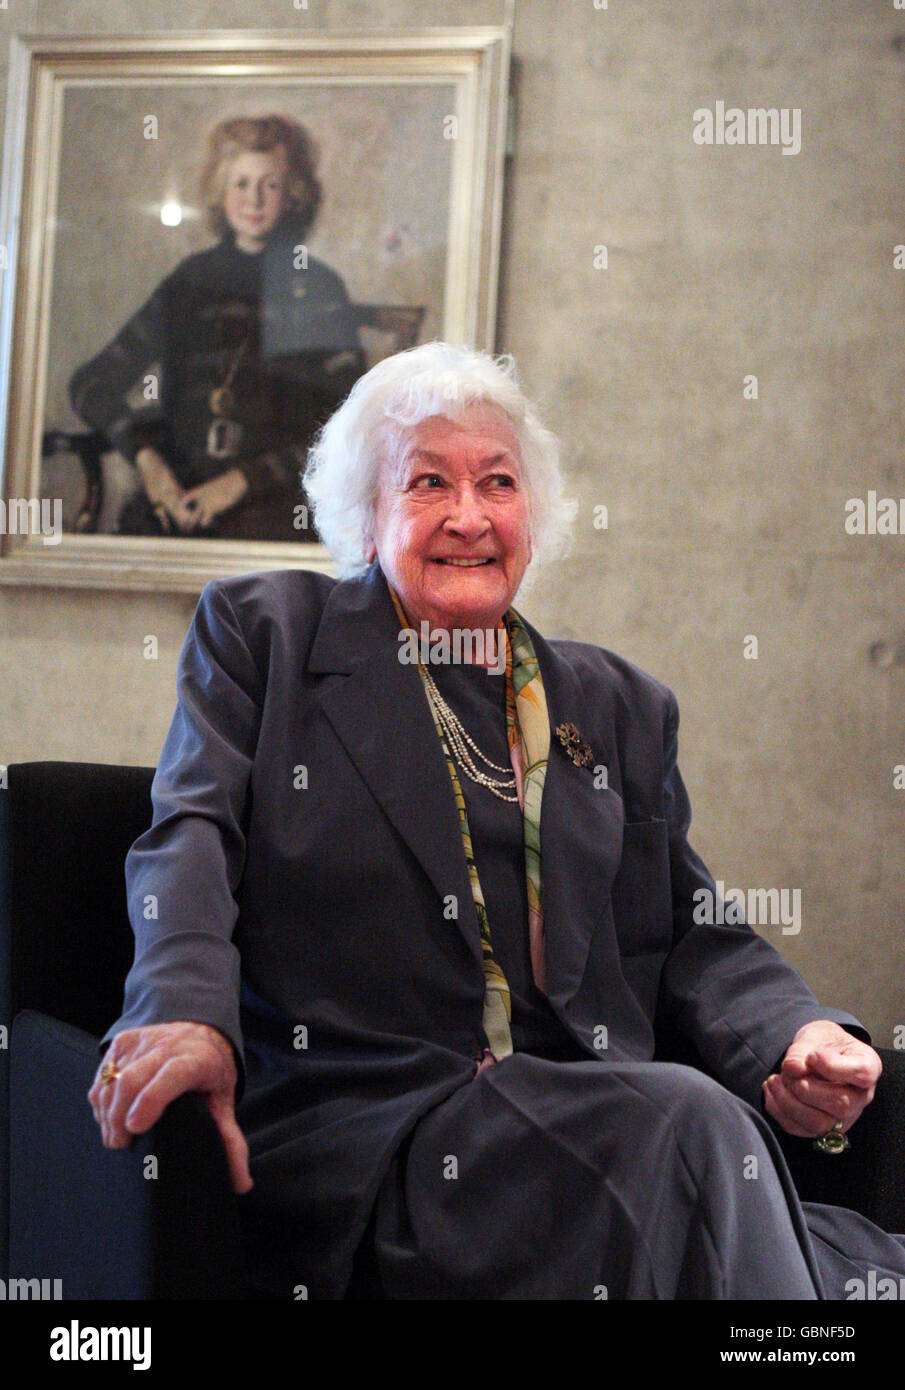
(418, 927)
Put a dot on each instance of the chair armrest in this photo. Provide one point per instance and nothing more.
(868, 1176)
(96, 1218)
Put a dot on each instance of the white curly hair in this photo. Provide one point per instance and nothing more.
(341, 477)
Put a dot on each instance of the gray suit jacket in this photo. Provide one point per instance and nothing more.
(291, 892)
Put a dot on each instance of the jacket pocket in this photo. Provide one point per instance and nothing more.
(641, 894)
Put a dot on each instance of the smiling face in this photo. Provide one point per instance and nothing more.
(451, 528)
(255, 195)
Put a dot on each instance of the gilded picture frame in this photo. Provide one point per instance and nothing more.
(104, 144)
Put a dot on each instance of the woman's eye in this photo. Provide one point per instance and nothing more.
(503, 479)
(429, 480)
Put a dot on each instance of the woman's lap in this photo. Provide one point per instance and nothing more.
(621, 1180)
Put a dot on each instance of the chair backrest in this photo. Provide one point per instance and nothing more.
(65, 940)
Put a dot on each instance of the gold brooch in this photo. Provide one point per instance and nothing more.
(575, 747)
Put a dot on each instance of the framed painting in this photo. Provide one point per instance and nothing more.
(207, 238)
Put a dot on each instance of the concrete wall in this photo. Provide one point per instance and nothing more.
(726, 514)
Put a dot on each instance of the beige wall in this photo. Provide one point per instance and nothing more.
(726, 515)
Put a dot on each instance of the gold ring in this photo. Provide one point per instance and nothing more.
(109, 1072)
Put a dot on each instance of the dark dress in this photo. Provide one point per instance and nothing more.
(479, 699)
(277, 336)
(533, 1178)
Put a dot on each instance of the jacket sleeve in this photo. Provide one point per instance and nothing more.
(724, 988)
(99, 390)
(182, 874)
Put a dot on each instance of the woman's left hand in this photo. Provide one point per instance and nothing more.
(202, 505)
(827, 1075)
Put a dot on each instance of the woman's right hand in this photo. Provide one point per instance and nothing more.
(154, 1065)
(165, 493)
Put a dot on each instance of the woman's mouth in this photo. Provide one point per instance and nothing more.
(464, 564)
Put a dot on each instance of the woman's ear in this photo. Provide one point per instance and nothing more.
(370, 550)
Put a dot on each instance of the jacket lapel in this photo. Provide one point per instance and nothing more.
(378, 710)
(581, 826)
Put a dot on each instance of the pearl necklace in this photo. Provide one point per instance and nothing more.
(460, 742)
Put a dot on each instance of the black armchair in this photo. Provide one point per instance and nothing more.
(160, 1220)
(107, 1224)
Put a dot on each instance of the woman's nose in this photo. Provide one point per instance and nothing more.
(466, 513)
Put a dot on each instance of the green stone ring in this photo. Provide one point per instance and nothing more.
(833, 1143)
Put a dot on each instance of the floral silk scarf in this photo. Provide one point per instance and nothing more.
(528, 735)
